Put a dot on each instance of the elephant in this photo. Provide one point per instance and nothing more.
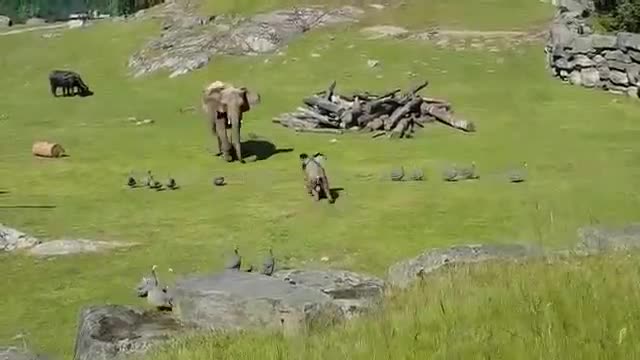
(224, 105)
(315, 177)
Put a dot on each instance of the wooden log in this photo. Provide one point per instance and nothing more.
(381, 105)
(329, 93)
(322, 104)
(378, 134)
(447, 118)
(47, 149)
(320, 118)
(413, 91)
(320, 131)
(401, 128)
(377, 123)
(400, 112)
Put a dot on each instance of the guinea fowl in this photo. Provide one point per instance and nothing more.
(157, 296)
(417, 175)
(218, 181)
(131, 182)
(450, 174)
(269, 265)
(148, 180)
(468, 172)
(397, 174)
(518, 175)
(235, 261)
(171, 184)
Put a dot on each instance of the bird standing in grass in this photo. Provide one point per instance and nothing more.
(131, 182)
(148, 180)
(235, 261)
(218, 181)
(450, 174)
(468, 172)
(518, 175)
(417, 175)
(157, 296)
(397, 174)
(269, 265)
(171, 184)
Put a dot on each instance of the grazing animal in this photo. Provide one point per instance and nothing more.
(171, 184)
(450, 174)
(269, 264)
(315, 177)
(397, 174)
(235, 261)
(469, 172)
(518, 175)
(224, 105)
(218, 181)
(149, 181)
(131, 182)
(70, 82)
(417, 175)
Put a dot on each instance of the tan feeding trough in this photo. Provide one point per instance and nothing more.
(47, 149)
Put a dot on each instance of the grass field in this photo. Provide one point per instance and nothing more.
(581, 147)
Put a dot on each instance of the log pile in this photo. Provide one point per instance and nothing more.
(394, 114)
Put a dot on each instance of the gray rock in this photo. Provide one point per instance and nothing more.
(634, 55)
(633, 72)
(69, 247)
(185, 44)
(617, 65)
(354, 293)
(575, 77)
(12, 239)
(583, 61)
(563, 64)
(12, 353)
(234, 300)
(627, 40)
(5, 22)
(604, 72)
(575, 6)
(604, 41)
(618, 78)
(113, 332)
(560, 36)
(632, 91)
(617, 55)
(582, 45)
(597, 239)
(615, 88)
(406, 272)
(599, 60)
(590, 77)
(35, 21)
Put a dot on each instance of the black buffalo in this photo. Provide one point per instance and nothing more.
(70, 82)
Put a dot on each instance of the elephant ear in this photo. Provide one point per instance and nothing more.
(250, 98)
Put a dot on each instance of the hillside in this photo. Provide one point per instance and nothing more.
(581, 147)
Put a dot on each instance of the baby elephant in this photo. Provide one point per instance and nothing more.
(315, 177)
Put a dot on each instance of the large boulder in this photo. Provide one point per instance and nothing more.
(618, 78)
(234, 300)
(12, 239)
(604, 41)
(404, 273)
(354, 293)
(113, 332)
(583, 61)
(5, 21)
(596, 239)
(590, 77)
(582, 45)
(626, 40)
(12, 353)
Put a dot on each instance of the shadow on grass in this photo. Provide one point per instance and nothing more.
(28, 206)
(261, 149)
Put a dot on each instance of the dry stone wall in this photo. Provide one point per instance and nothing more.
(577, 55)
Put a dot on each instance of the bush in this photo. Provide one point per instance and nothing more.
(619, 15)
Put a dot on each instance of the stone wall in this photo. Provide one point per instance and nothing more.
(576, 55)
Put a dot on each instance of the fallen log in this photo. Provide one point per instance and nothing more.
(400, 129)
(322, 104)
(320, 118)
(404, 110)
(447, 118)
(329, 93)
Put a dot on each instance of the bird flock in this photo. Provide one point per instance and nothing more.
(160, 297)
(150, 182)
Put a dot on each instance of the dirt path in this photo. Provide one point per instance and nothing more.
(35, 28)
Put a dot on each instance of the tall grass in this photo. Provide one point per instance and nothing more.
(580, 308)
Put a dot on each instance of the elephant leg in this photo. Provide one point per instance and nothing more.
(324, 183)
(215, 133)
(221, 132)
(235, 117)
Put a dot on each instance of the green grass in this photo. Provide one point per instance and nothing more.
(454, 14)
(572, 310)
(581, 147)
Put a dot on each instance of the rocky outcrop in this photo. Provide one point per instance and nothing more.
(5, 22)
(353, 293)
(599, 239)
(406, 272)
(113, 332)
(578, 56)
(12, 239)
(12, 353)
(189, 42)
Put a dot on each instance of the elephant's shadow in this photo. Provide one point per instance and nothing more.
(261, 149)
